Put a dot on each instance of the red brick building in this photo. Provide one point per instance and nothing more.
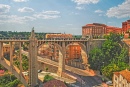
(98, 30)
(126, 26)
(113, 29)
(73, 51)
(94, 29)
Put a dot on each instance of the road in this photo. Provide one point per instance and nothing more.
(86, 81)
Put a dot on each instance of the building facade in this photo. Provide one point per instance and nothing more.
(73, 51)
(113, 30)
(58, 35)
(94, 29)
(6, 49)
(97, 30)
(126, 26)
(121, 79)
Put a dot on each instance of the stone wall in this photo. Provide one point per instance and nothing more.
(96, 43)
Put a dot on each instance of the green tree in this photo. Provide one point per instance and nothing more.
(48, 78)
(96, 59)
(13, 84)
(111, 57)
(2, 68)
(112, 67)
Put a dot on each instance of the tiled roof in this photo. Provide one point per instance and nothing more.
(89, 24)
(117, 73)
(54, 83)
(125, 74)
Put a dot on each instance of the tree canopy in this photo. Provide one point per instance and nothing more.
(112, 56)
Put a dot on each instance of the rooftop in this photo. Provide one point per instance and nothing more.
(54, 83)
(124, 73)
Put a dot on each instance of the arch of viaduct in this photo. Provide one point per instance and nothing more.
(34, 45)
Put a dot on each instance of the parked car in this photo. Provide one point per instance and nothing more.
(39, 71)
(109, 82)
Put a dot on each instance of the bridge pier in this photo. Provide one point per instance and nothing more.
(11, 57)
(1, 51)
(20, 60)
(61, 66)
(33, 63)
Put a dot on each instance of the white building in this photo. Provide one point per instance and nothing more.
(121, 79)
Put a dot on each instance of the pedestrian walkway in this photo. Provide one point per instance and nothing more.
(90, 72)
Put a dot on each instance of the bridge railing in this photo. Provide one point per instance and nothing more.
(64, 39)
(12, 38)
(23, 38)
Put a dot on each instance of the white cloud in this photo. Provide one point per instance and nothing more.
(47, 15)
(79, 8)
(25, 9)
(4, 8)
(69, 24)
(98, 11)
(85, 1)
(74, 13)
(51, 12)
(120, 11)
(15, 19)
(20, 0)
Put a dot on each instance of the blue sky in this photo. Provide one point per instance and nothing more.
(61, 15)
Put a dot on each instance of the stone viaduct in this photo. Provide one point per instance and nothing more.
(62, 43)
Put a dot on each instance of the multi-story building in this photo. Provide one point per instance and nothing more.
(58, 35)
(6, 49)
(113, 29)
(73, 51)
(94, 29)
(98, 30)
(126, 26)
(121, 79)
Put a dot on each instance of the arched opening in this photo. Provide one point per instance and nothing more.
(76, 55)
(50, 51)
(12, 62)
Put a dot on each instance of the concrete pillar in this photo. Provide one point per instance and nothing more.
(11, 57)
(61, 66)
(20, 59)
(1, 50)
(33, 63)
